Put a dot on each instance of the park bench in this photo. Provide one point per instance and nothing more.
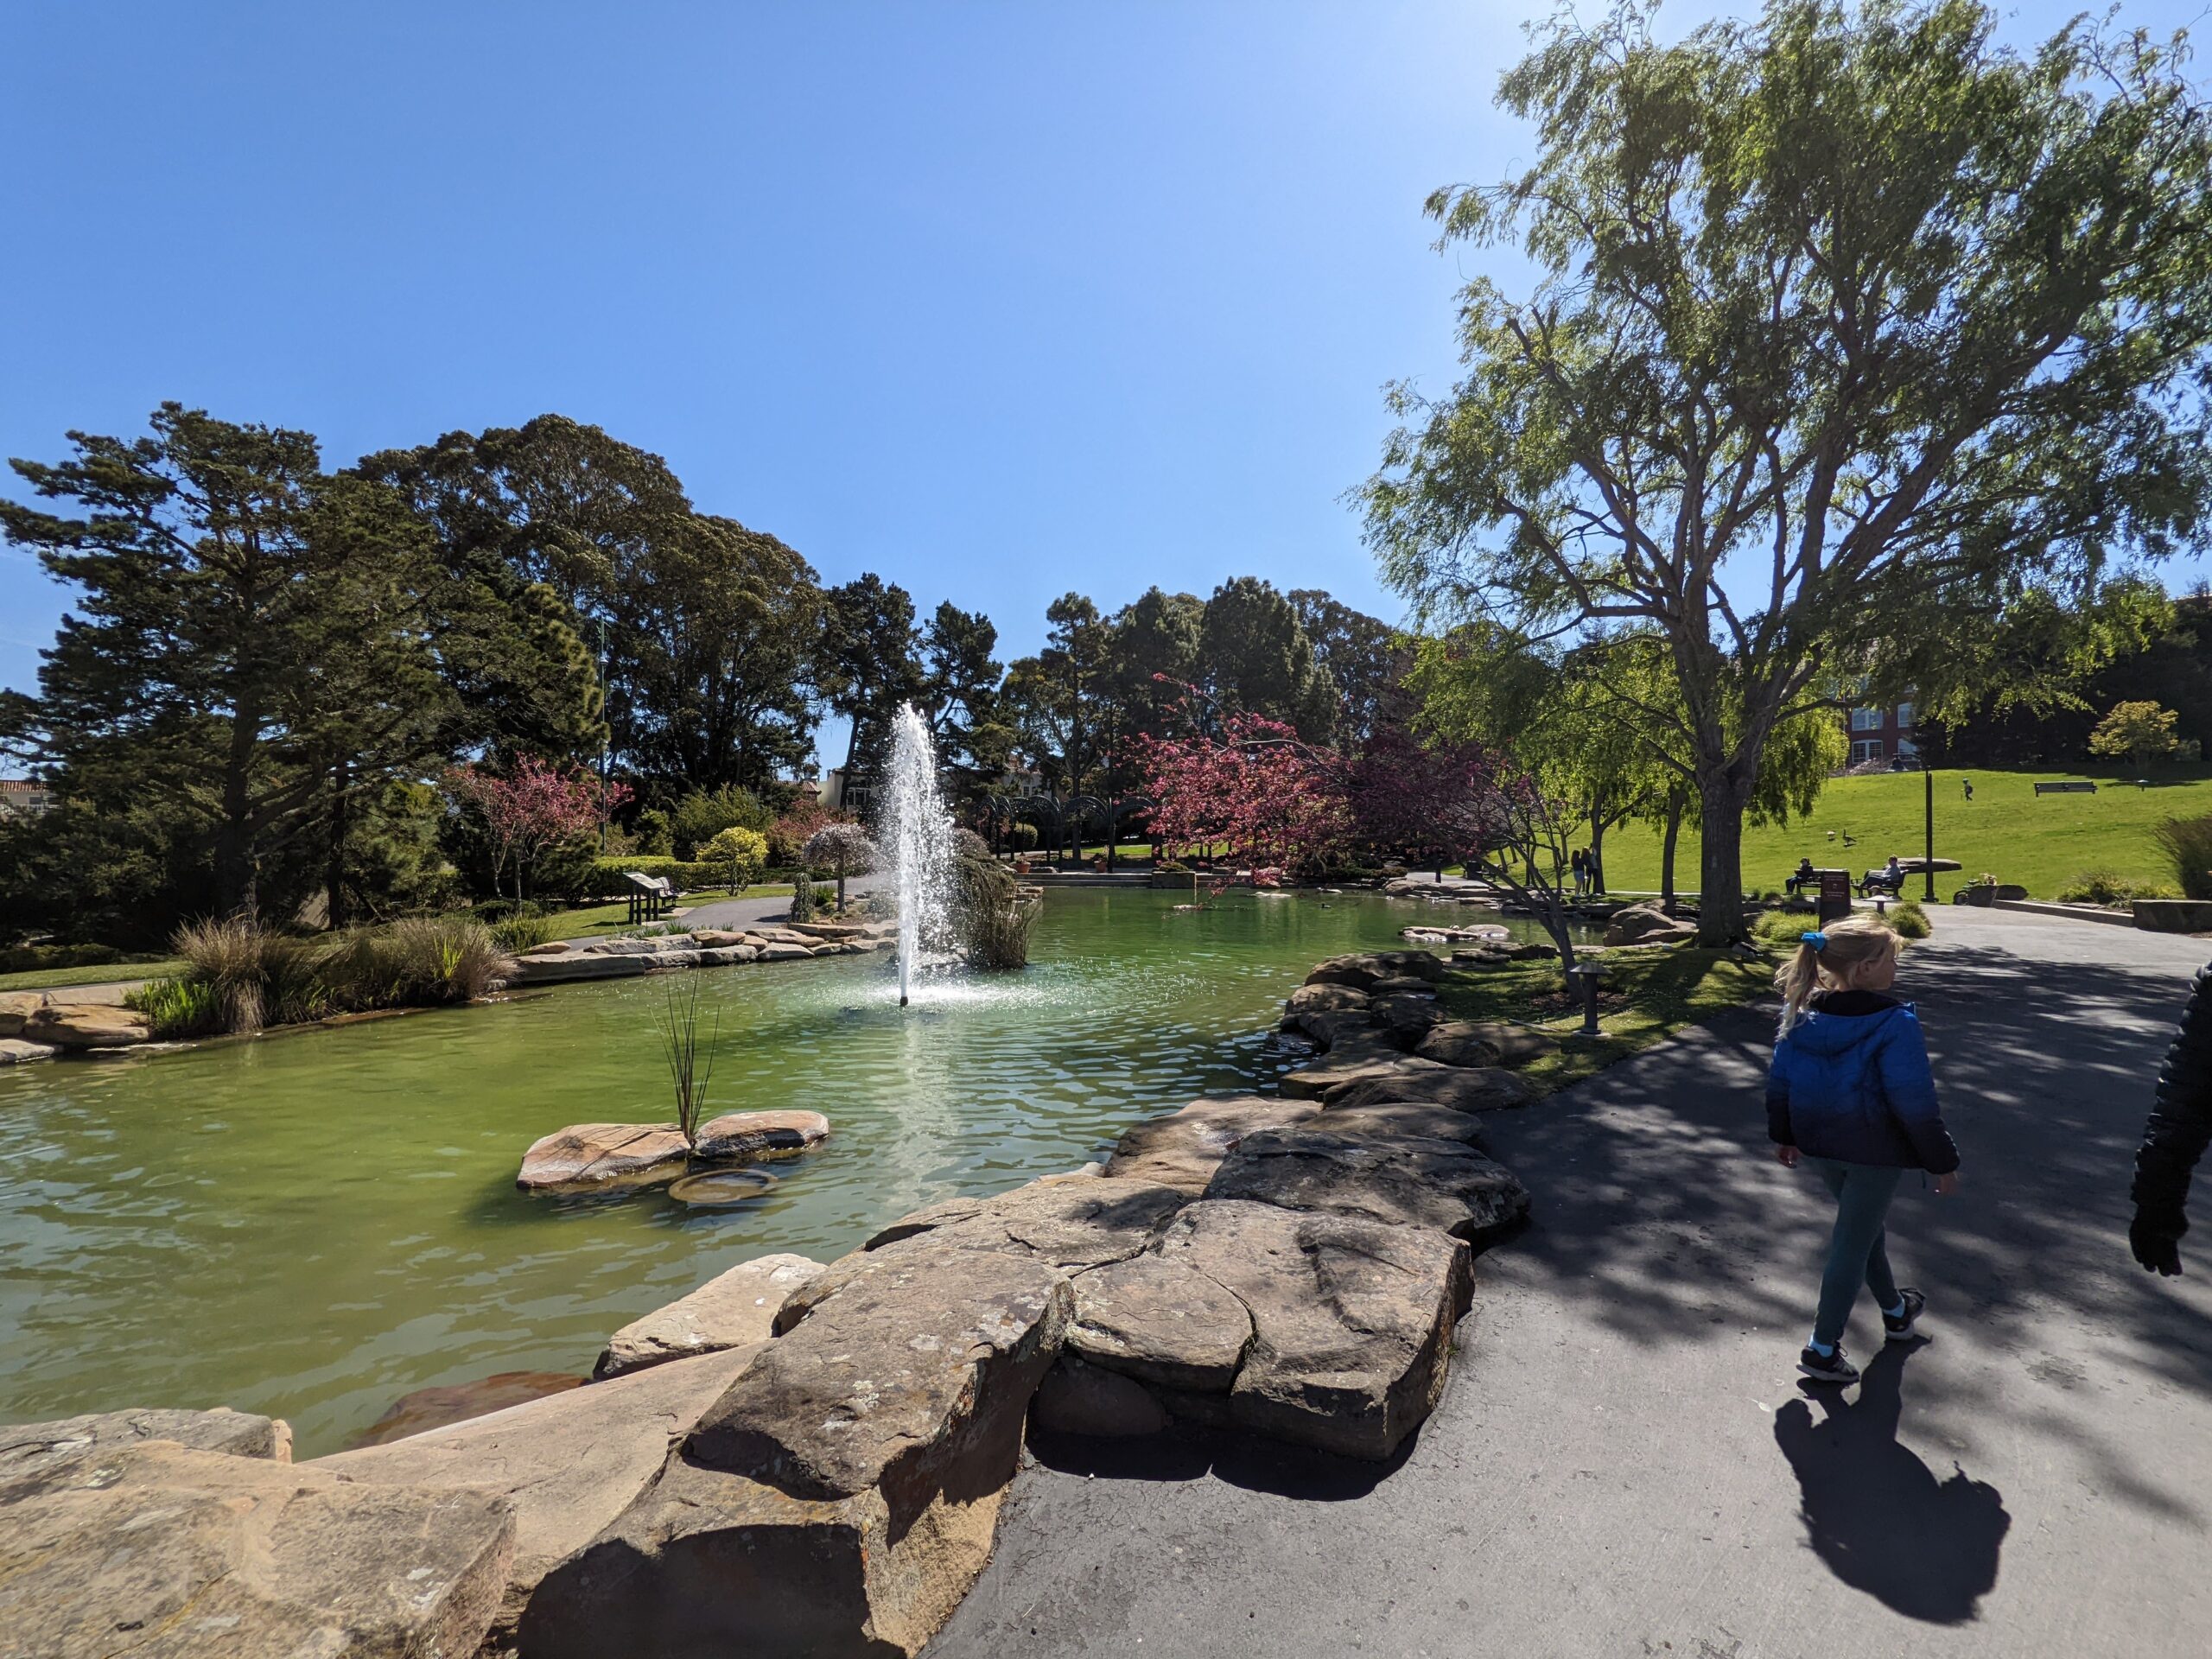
(2082, 788)
(651, 897)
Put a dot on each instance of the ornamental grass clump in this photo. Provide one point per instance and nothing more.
(690, 1063)
(2188, 843)
(177, 1008)
(993, 915)
(244, 977)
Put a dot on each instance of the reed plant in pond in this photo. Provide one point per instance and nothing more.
(691, 1061)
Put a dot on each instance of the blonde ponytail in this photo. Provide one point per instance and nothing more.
(1830, 953)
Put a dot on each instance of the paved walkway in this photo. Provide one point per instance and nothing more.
(1625, 1462)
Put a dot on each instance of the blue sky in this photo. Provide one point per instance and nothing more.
(995, 300)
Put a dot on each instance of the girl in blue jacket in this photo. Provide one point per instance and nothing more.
(1850, 1093)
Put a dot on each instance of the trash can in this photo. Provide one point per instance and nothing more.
(1835, 895)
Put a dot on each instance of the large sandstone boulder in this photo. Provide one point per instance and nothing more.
(32, 1448)
(1183, 1150)
(727, 956)
(914, 1378)
(1351, 1320)
(1361, 970)
(784, 952)
(1485, 1042)
(1075, 1398)
(1065, 1223)
(1328, 1028)
(85, 1025)
(16, 1007)
(708, 1563)
(1322, 999)
(160, 1550)
(1401, 1118)
(1418, 1082)
(1444, 1185)
(14, 1051)
(842, 1495)
(1646, 925)
(761, 1135)
(604, 1154)
(1348, 1061)
(1161, 1321)
(732, 1310)
(1406, 1019)
(568, 1464)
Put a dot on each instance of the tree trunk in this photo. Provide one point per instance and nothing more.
(1721, 801)
(1676, 802)
(234, 883)
(333, 902)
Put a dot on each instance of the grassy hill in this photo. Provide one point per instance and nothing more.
(2042, 842)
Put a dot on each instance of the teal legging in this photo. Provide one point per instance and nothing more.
(1856, 1255)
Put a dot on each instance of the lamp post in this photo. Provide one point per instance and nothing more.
(1585, 976)
(1927, 863)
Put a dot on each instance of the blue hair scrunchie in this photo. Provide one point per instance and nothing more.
(1818, 941)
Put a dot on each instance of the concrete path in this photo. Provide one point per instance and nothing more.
(1626, 1462)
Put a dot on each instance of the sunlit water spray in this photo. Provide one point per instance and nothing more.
(917, 831)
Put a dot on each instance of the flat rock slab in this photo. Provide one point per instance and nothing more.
(784, 952)
(1485, 1042)
(912, 1379)
(1444, 1185)
(1349, 1059)
(732, 1310)
(1330, 1028)
(708, 1563)
(762, 1134)
(443, 1404)
(1401, 1118)
(1353, 1319)
(1065, 1223)
(1159, 1320)
(1418, 1082)
(555, 969)
(603, 1154)
(14, 1051)
(85, 1025)
(1401, 985)
(31, 1448)
(160, 1550)
(569, 1463)
(1183, 1149)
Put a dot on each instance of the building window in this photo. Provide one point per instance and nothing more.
(1904, 716)
(1866, 748)
(1865, 720)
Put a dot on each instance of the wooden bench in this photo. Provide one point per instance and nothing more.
(651, 897)
(2066, 789)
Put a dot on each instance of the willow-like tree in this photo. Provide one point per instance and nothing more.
(1845, 319)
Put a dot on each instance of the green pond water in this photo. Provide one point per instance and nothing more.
(313, 1224)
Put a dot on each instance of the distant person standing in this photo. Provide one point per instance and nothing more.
(2175, 1138)
(1581, 873)
(1966, 784)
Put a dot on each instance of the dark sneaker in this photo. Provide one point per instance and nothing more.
(1900, 1328)
(1827, 1368)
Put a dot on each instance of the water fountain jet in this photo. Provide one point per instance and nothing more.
(917, 834)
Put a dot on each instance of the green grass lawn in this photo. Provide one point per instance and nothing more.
(2040, 842)
(46, 979)
(1648, 996)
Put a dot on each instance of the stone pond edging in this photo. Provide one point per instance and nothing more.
(46, 1025)
(804, 1458)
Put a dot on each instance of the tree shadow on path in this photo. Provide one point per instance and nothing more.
(1877, 1515)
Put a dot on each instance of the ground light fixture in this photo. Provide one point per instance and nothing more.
(1586, 976)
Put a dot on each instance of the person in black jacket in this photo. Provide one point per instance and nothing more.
(2176, 1136)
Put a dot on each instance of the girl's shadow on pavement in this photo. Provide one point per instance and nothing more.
(1877, 1515)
